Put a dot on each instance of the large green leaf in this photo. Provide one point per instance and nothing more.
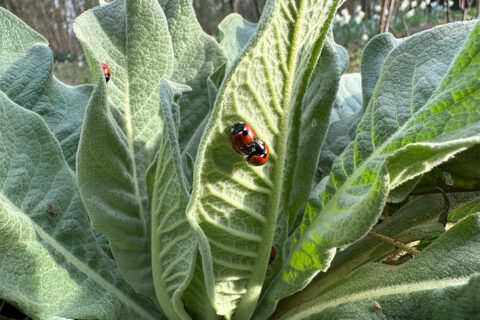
(16, 38)
(189, 152)
(235, 32)
(234, 206)
(415, 221)
(197, 55)
(395, 142)
(418, 289)
(343, 122)
(121, 131)
(349, 97)
(373, 58)
(29, 82)
(174, 246)
(52, 266)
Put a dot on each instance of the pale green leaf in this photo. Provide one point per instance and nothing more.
(349, 97)
(196, 299)
(343, 121)
(317, 103)
(235, 32)
(174, 246)
(395, 142)
(197, 55)
(121, 131)
(52, 266)
(421, 288)
(373, 58)
(416, 220)
(465, 210)
(189, 152)
(234, 206)
(29, 82)
(16, 38)
(343, 56)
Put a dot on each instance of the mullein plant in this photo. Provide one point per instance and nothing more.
(126, 200)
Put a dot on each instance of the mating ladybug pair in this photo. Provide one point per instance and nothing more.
(245, 142)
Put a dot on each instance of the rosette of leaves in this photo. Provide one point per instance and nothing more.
(190, 225)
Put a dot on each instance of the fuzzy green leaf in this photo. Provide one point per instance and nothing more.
(395, 142)
(373, 58)
(421, 213)
(29, 82)
(174, 246)
(418, 289)
(343, 122)
(52, 266)
(235, 32)
(197, 56)
(121, 131)
(16, 38)
(234, 206)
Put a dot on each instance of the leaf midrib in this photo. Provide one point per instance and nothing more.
(129, 128)
(244, 308)
(80, 265)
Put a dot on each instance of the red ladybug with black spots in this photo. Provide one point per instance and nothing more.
(241, 137)
(259, 153)
(106, 71)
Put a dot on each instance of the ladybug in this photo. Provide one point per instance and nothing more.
(241, 137)
(106, 71)
(258, 155)
(273, 254)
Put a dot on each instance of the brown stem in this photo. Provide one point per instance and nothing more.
(448, 10)
(390, 14)
(381, 26)
(395, 243)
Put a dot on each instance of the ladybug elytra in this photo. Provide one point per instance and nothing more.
(258, 155)
(106, 71)
(241, 137)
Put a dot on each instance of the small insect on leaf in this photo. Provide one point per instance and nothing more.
(51, 214)
(377, 306)
(106, 71)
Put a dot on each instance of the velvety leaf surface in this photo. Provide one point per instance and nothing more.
(16, 38)
(395, 142)
(189, 153)
(343, 121)
(234, 206)
(317, 103)
(418, 289)
(121, 131)
(415, 221)
(52, 266)
(197, 56)
(174, 246)
(29, 83)
(471, 207)
(373, 58)
(235, 32)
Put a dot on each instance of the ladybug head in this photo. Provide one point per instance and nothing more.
(239, 127)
